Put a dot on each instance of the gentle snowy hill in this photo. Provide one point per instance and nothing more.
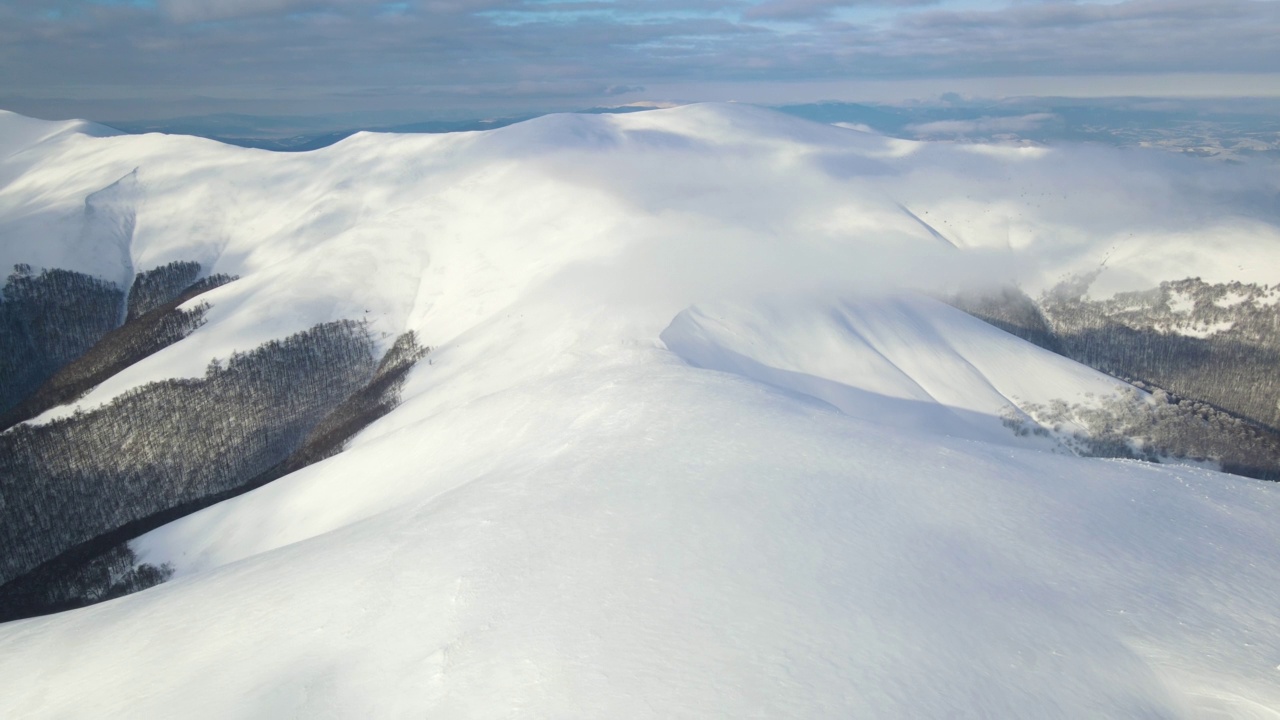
(690, 442)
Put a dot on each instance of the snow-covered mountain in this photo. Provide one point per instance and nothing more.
(695, 436)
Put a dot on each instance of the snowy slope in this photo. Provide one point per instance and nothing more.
(688, 444)
(22, 133)
(905, 361)
(455, 227)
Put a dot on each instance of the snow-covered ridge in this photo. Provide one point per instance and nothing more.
(612, 493)
(19, 133)
(906, 362)
(697, 201)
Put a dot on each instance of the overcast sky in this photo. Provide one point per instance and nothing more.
(128, 59)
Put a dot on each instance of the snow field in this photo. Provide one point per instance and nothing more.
(688, 444)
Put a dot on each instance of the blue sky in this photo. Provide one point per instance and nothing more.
(126, 59)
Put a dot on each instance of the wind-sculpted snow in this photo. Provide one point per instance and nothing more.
(907, 362)
(21, 133)
(687, 444)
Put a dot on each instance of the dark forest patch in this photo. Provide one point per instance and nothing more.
(78, 489)
(46, 321)
(1209, 351)
(163, 324)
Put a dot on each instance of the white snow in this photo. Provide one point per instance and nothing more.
(1181, 303)
(21, 133)
(1204, 330)
(689, 444)
(907, 361)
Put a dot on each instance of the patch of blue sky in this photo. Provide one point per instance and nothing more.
(565, 13)
(393, 8)
(885, 13)
(634, 13)
(684, 41)
(70, 10)
(872, 14)
(147, 4)
(305, 15)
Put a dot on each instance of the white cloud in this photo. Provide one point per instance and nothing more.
(982, 126)
(468, 53)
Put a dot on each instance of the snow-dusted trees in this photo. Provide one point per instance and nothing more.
(1213, 349)
(76, 489)
(375, 399)
(155, 287)
(46, 321)
(74, 580)
(1129, 425)
(171, 442)
(1219, 344)
(72, 492)
(34, 319)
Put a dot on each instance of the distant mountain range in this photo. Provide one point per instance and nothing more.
(1226, 129)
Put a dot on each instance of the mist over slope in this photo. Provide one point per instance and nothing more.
(690, 440)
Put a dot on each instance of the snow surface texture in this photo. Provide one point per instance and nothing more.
(688, 446)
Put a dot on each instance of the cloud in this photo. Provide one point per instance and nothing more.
(185, 11)
(982, 126)
(808, 9)
(1132, 36)
(314, 55)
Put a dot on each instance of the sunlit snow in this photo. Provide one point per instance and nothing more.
(692, 441)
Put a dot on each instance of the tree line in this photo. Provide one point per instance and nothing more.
(74, 491)
(59, 336)
(1209, 351)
